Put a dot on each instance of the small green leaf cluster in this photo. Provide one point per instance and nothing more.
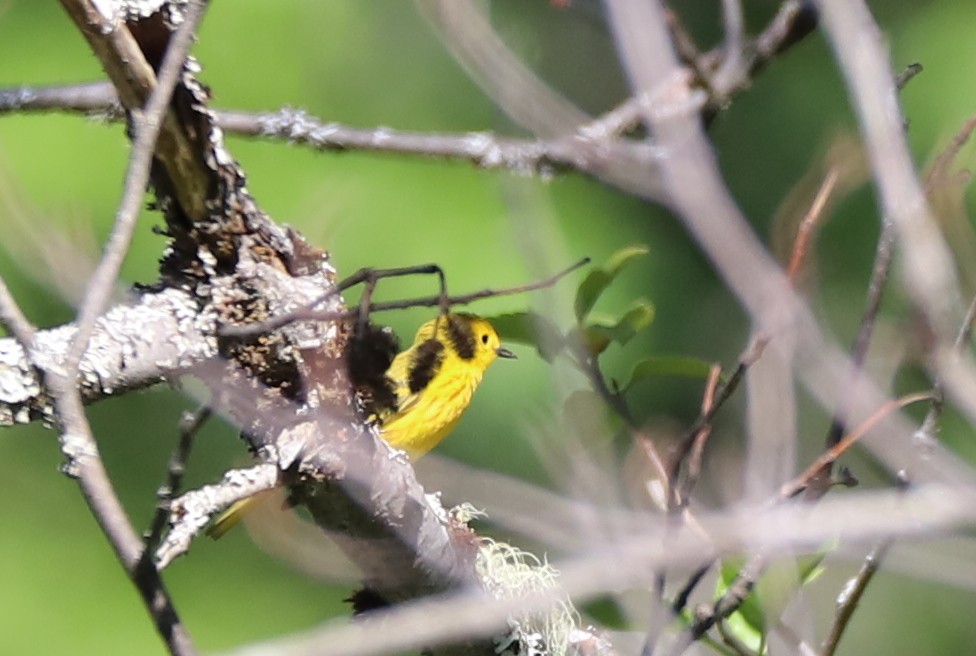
(595, 332)
(747, 626)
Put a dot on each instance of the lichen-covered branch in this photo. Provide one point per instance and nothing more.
(228, 264)
(154, 339)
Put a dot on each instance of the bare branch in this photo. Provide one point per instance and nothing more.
(638, 555)
(794, 20)
(811, 220)
(828, 457)
(77, 441)
(95, 98)
(850, 597)
(703, 423)
(13, 318)
(159, 337)
(135, 80)
(189, 425)
(735, 35)
(147, 126)
(929, 273)
(584, 149)
(190, 513)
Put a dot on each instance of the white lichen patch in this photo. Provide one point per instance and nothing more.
(508, 573)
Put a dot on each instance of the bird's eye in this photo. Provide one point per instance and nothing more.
(484, 339)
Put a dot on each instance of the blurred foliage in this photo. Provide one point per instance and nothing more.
(775, 589)
(369, 64)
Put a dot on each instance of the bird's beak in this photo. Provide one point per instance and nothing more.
(505, 353)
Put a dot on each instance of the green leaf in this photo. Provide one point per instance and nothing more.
(588, 291)
(530, 328)
(598, 279)
(810, 567)
(607, 612)
(668, 365)
(619, 259)
(600, 331)
(770, 595)
(745, 632)
(750, 626)
(636, 319)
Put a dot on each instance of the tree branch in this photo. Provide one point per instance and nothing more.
(584, 149)
(929, 274)
(160, 337)
(77, 441)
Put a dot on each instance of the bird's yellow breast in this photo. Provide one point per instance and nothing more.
(436, 378)
(428, 417)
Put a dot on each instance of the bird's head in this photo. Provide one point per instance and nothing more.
(472, 339)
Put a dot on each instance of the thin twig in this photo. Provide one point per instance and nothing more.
(733, 47)
(937, 174)
(681, 599)
(881, 269)
(966, 329)
(484, 149)
(801, 482)
(732, 641)
(878, 282)
(78, 443)
(849, 598)
(794, 20)
(690, 54)
(309, 313)
(851, 595)
(190, 424)
(809, 223)
(743, 583)
(723, 607)
(801, 249)
(588, 364)
(926, 434)
(748, 357)
(880, 272)
(14, 320)
(906, 75)
(93, 98)
(697, 452)
(690, 452)
(929, 273)
(191, 512)
(939, 170)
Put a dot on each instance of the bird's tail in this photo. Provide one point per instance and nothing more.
(235, 513)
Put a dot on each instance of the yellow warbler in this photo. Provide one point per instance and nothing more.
(433, 381)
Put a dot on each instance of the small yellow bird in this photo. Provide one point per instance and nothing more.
(434, 381)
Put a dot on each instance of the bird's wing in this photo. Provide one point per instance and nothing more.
(407, 401)
(399, 375)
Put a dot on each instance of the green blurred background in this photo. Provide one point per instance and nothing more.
(377, 63)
